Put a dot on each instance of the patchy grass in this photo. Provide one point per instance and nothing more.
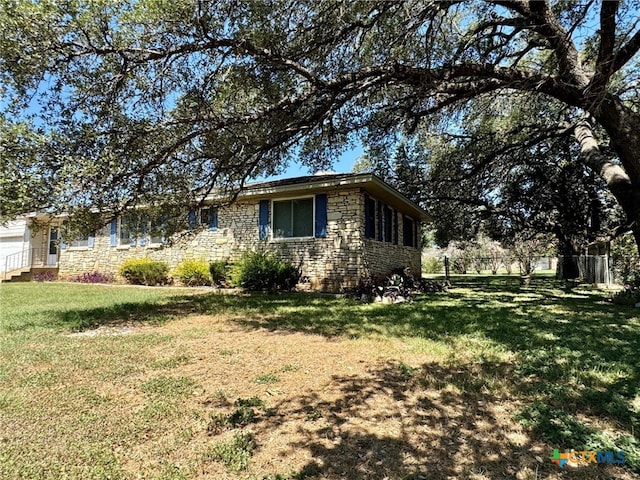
(267, 378)
(483, 382)
(233, 454)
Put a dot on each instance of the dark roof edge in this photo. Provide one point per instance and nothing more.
(319, 182)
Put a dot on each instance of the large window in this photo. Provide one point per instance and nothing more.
(293, 218)
(80, 241)
(141, 230)
(209, 217)
(128, 228)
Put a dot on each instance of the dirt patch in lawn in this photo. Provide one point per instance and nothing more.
(212, 396)
(313, 407)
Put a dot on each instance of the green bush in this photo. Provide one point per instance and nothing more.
(432, 265)
(264, 270)
(219, 271)
(144, 271)
(193, 273)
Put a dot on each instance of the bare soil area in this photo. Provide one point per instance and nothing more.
(340, 408)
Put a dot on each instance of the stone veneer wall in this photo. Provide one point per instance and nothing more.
(237, 231)
(328, 264)
(380, 257)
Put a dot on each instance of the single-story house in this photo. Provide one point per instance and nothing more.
(337, 227)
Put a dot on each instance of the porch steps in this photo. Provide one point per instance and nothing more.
(17, 275)
(26, 274)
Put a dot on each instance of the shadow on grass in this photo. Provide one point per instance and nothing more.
(575, 357)
(437, 422)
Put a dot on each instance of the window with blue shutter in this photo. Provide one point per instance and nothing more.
(191, 219)
(263, 220)
(321, 216)
(209, 217)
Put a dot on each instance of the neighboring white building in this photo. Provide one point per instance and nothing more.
(23, 248)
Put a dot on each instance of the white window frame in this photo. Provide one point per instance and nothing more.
(74, 245)
(119, 243)
(273, 216)
(149, 243)
(142, 240)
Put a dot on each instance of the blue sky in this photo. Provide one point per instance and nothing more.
(343, 164)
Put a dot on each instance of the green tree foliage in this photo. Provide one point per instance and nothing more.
(514, 168)
(151, 101)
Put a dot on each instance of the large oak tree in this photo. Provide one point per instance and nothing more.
(149, 101)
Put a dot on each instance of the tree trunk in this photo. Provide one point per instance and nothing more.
(567, 265)
(623, 181)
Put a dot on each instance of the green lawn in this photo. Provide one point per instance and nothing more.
(564, 362)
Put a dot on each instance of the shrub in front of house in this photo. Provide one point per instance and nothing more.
(44, 277)
(193, 273)
(264, 270)
(219, 271)
(144, 271)
(93, 277)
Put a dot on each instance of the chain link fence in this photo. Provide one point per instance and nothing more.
(601, 269)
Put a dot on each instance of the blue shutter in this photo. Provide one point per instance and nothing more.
(191, 219)
(90, 241)
(380, 226)
(263, 220)
(113, 237)
(395, 227)
(213, 219)
(321, 216)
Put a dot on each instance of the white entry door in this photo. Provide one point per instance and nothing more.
(52, 251)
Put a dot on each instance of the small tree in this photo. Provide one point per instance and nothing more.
(488, 254)
(526, 250)
(460, 255)
(496, 256)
